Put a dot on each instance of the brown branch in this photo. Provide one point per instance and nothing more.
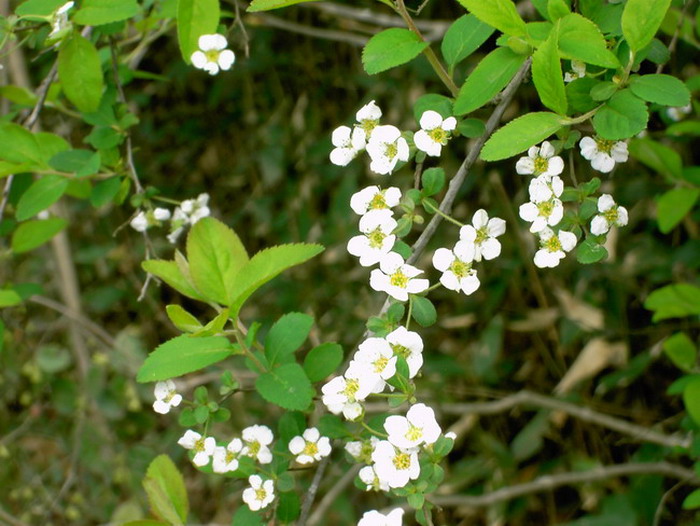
(332, 495)
(293, 27)
(311, 492)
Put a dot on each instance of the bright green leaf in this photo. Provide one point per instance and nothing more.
(692, 501)
(266, 5)
(322, 360)
(557, 9)
(548, 77)
(40, 195)
(9, 298)
(163, 474)
(674, 301)
(661, 89)
(681, 351)
(39, 8)
(19, 145)
(182, 319)
(691, 398)
(673, 207)
(169, 272)
(286, 386)
(215, 326)
(80, 73)
(194, 19)
(99, 12)
(36, 232)
(580, 39)
(390, 48)
(463, 37)
(641, 20)
(519, 134)
(623, 116)
(81, 162)
(286, 335)
(500, 14)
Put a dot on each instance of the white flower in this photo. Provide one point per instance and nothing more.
(371, 480)
(419, 426)
(377, 354)
(434, 132)
(409, 345)
(166, 397)
(60, 20)
(451, 435)
(203, 447)
(456, 267)
(368, 119)
(144, 220)
(343, 394)
(361, 450)
(386, 147)
(396, 278)
(348, 143)
(602, 153)
(610, 215)
(374, 518)
(256, 439)
(139, 222)
(677, 113)
(310, 447)
(196, 209)
(545, 208)
(395, 466)
(374, 198)
(161, 214)
(259, 494)
(225, 459)
(376, 239)
(578, 71)
(553, 247)
(212, 54)
(540, 161)
(483, 235)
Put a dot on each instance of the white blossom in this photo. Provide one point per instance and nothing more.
(677, 113)
(225, 459)
(361, 450)
(396, 278)
(374, 198)
(188, 213)
(376, 240)
(260, 493)
(203, 447)
(344, 393)
(59, 20)
(374, 518)
(374, 357)
(144, 220)
(386, 148)
(434, 132)
(368, 119)
(139, 222)
(456, 267)
(545, 208)
(372, 482)
(212, 54)
(610, 215)
(409, 345)
(540, 161)
(310, 446)
(578, 71)
(553, 247)
(348, 143)
(482, 233)
(602, 153)
(395, 466)
(166, 397)
(256, 440)
(418, 427)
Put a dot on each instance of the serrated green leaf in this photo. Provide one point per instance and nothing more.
(287, 335)
(548, 77)
(322, 360)
(163, 474)
(489, 77)
(674, 301)
(423, 311)
(182, 319)
(463, 37)
(590, 252)
(641, 20)
(182, 355)
(266, 5)
(99, 12)
(36, 232)
(673, 207)
(681, 351)
(286, 386)
(661, 89)
(390, 48)
(500, 14)
(80, 73)
(519, 134)
(194, 19)
(40, 195)
(169, 272)
(623, 116)
(81, 162)
(580, 39)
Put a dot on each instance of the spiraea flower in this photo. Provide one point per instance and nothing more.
(540, 161)
(256, 440)
(578, 70)
(434, 133)
(603, 153)
(418, 427)
(361, 450)
(409, 346)
(553, 247)
(166, 397)
(386, 148)
(225, 459)
(610, 215)
(144, 220)
(344, 393)
(260, 493)
(374, 198)
(545, 208)
(396, 278)
(310, 446)
(375, 356)
(395, 466)
(368, 119)
(348, 143)
(482, 233)
(188, 213)
(372, 482)
(456, 267)
(678, 113)
(375, 518)
(203, 447)
(212, 54)
(376, 240)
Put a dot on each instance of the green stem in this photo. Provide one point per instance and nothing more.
(410, 309)
(374, 431)
(248, 352)
(436, 210)
(581, 118)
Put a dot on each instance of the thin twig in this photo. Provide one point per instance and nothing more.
(311, 492)
(41, 94)
(662, 502)
(330, 498)
(674, 39)
(293, 27)
(239, 23)
(9, 519)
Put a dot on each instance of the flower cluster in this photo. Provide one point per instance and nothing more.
(186, 214)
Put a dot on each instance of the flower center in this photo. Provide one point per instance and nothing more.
(439, 135)
(611, 215)
(260, 494)
(545, 208)
(460, 269)
(199, 445)
(212, 55)
(399, 279)
(552, 244)
(414, 433)
(378, 202)
(482, 235)
(391, 150)
(368, 125)
(380, 364)
(230, 457)
(541, 165)
(402, 461)
(605, 145)
(253, 448)
(351, 387)
(366, 452)
(311, 449)
(170, 394)
(400, 350)
(376, 238)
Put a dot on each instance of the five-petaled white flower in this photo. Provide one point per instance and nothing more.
(255, 441)
(348, 143)
(375, 356)
(259, 494)
(374, 518)
(372, 482)
(344, 393)
(225, 459)
(203, 447)
(578, 70)
(434, 132)
(144, 220)
(553, 247)
(376, 239)
(395, 466)
(368, 119)
(166, 397)
(540, 161)
(409, 346)
(545, 208)
(374, 198)
(610, 215)
(419, 426)
(603, 153)
(310, 446)
(482, 233)
(212, 54)
(386, 147)
(456, 267)
(396, 278)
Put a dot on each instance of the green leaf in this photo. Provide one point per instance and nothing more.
(266, 265)
(519, 134)
(674, 301)
(21, 145)
(423, 311)
(463, 37)
(289, 507)
(580, 39)
(244, 516)
(557, 9)
(98, 12)
(623, 116)
(691, 398)
(287, 386)
(40, 195)
(160, 503)
(266, 5)
(673, 207)
(590, 252)
(182, 319)
(182, 355)
(81, 162)
(432, 101)
(578, 94)
(322, 360)
(657, 156)
(471, 128)
(163, 474)
(641, 20)
(489, 77)
(661, 89)
(40, 8)
(681, 351)
(433, 180)
(216, 255)
(194, 19)
(36, 232)
(80, 73)
(500, 14)
(215, 326)
(391, 48)
(692, 501)
(548, 77)
(287, 335)
(604, 90)
(105, 191)
(9, 298)
(171, 273)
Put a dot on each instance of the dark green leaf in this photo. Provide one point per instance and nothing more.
(623, 116)
(245, 517)
(433, 180)
(471, 128)
(657, 156)
(289, 506)
(80, 73)
(674, 205)
(322, 360)
(287, 335)
(391, 48)
(286, 386)
(105, 191)
(80, 162)
(423, 311)
(590, 252)
(432, 101)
